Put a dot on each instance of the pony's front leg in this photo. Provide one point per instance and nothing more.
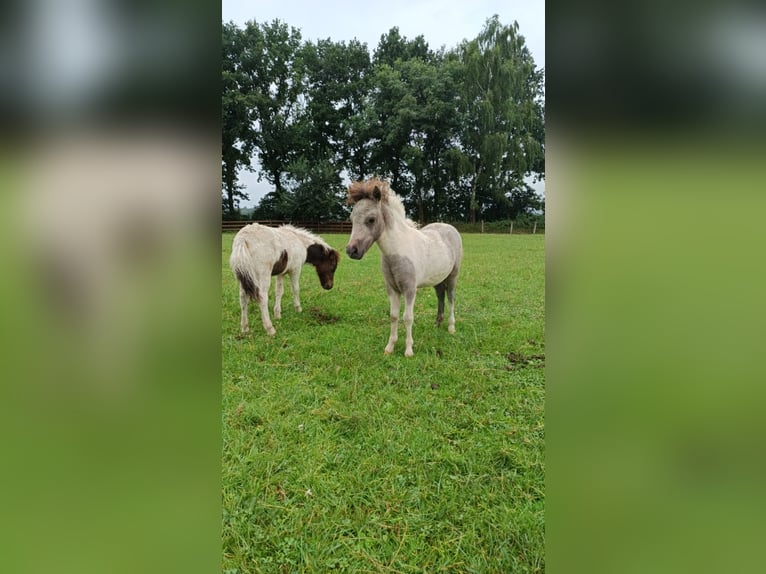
(279, 289)
(409, 319)
(395, 300)
(263, 303)
(295, 280)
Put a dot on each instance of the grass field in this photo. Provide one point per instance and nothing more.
(338, 458)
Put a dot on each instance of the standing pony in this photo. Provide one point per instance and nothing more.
(411, 257)
(258, 252)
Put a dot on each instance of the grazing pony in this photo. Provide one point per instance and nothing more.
(258, 252)
(411, 257)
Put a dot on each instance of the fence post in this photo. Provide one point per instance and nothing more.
(482, 226)
(534, 228)
(511, 231)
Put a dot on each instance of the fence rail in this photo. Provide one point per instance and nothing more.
(313, 226)
(345, 226)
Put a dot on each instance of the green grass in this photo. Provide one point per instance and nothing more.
(338, 458)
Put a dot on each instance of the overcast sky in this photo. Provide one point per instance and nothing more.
(441, 22)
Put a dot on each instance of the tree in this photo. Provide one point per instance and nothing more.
(393, 109)
(415, 103)
(272, 73)
(434, 136)
(503, 131)
(236, 140)
(316, 191)
(459, 133)
(328, 128)
(393, 46)
(336, 133)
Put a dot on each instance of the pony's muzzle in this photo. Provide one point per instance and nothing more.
(327, 285)
(353, 251)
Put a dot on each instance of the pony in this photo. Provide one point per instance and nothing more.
(259, 252)
(411, 257)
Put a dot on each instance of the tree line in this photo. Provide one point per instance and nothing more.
(457, 132)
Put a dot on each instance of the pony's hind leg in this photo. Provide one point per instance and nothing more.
(279, 289)
(440, 290)
(244, 300)
(395, 300)
(263, 303)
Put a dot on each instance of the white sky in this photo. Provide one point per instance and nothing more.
(441, 22)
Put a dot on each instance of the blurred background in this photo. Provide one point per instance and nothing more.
(110, 370)
(655, 152)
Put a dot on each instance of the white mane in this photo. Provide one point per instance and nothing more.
(393, 203)
(306, 237)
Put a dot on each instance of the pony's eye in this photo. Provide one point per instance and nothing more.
(370, 221)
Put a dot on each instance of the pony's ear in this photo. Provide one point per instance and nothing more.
(376, 193)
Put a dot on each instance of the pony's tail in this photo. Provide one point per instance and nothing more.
(240, 263)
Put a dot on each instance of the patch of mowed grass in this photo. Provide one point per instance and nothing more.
(338, 458)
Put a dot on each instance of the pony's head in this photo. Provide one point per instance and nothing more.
(368, 216)
(325, 261)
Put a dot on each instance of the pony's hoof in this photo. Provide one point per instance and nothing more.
(298, 309)
(409, 353)
(271, 332)
(451, 329)
(277, 315)
(388, 351)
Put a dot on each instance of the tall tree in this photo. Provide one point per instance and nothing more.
(333, 78)
(415, 98)
(236, 140)
(272, 74)
(503, 129)
(393, 113)
(399, 64)
(434, 136)
(459, 134)
(337, 76)
(355, 155)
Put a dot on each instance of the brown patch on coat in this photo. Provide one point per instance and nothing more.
(375, 189)
(325, 260)
(280, 265)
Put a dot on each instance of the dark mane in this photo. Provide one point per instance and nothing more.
(366, 190)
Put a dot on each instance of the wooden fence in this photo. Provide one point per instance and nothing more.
(313, 226)
(344, 227)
